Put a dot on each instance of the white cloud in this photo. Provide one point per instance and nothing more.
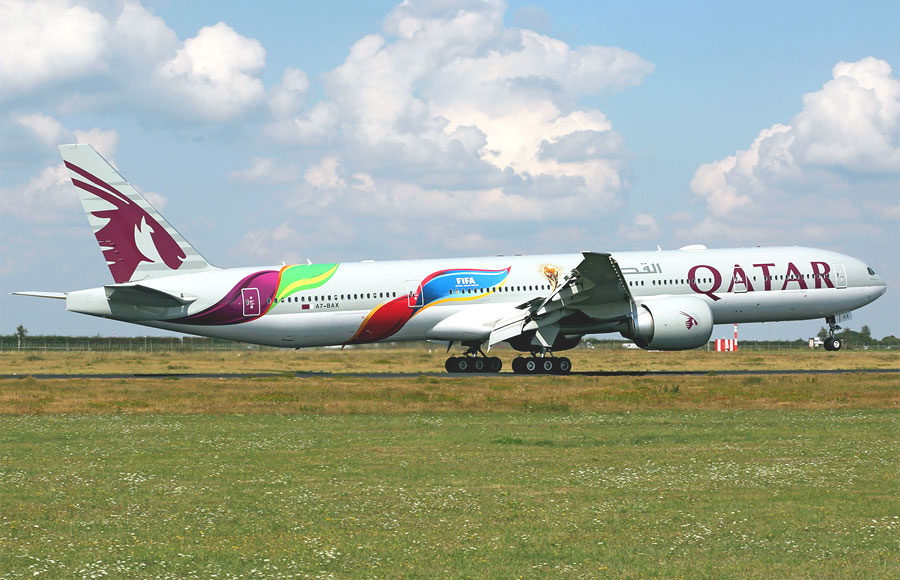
(140, 40)
(644, 227)
(287, 97)
(46, 129)
(105, 142)
(215, 72)
(452, 105)
(286, 243)
(263, 170)
(122, 54)
(853, 123)
(838, 154)
(324, 175)
(47, 42)
(47, 197)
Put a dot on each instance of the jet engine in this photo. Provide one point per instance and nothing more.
(674, 323)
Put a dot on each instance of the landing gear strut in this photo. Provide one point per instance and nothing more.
(473, 361)
(546, 364)
(831, 342)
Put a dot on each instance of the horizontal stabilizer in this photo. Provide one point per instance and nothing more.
(140, 295)
(56, 295)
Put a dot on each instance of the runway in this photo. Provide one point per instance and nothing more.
(501, 375)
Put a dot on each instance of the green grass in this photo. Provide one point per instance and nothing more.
(672, 493)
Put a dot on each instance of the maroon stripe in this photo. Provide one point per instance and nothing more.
(96, 180)
(96, 191)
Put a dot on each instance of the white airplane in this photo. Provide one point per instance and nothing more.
(665, 300)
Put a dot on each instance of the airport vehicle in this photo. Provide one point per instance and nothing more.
(542, 304)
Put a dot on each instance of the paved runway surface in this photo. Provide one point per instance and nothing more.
(310, 375)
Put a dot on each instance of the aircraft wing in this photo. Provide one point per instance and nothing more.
(595, 289)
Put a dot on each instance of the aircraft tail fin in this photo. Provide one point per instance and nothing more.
(137, 242)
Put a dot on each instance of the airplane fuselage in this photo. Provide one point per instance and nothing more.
(539, 304)
(359, 302)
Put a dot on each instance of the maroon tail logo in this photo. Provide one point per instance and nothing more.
(118, 237)
(690, 322)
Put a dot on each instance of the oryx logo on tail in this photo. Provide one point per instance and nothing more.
(127, 222)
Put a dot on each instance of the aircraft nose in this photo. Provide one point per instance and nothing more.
(877, 288)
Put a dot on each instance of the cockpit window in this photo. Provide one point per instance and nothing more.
(871, 271)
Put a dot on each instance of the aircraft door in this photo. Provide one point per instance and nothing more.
(840, 275)
(414, 294)
(738, 282)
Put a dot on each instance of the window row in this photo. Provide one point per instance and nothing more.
(530, 288)
(710, 280)
(332, 297)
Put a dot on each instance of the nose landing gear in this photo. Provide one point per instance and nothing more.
(832, 343)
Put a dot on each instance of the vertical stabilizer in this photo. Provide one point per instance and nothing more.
(137, 242)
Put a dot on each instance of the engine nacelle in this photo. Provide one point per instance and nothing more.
(674, 323)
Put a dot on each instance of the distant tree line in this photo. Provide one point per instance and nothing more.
(21, 339)
(862, 337)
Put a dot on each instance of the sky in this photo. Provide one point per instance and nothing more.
(274, 132)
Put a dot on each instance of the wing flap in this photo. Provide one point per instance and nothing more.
(595, 287)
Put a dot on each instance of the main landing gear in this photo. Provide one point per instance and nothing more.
(831, 342)
(474, 361)
(544, 364)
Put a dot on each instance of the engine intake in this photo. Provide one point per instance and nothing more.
(673, 323)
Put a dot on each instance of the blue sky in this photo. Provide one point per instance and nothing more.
(352, 130)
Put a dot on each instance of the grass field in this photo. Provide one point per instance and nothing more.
(420, 360)
(459, 477)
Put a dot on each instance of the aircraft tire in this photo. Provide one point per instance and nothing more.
(834, 343)
(450, 365)
(479, 365)
(495, 364)
(548, 366)
(531, 366)
(518, 365)
(563, 366)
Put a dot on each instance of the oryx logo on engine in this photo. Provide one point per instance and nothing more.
(690, 322)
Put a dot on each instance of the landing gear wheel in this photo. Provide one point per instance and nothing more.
(494, 364)
(832, 343)
(450, 365)
(531, 366)
(548, 365)
(518, 365)
(462, 365)
(478, 365)
(563, 366)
